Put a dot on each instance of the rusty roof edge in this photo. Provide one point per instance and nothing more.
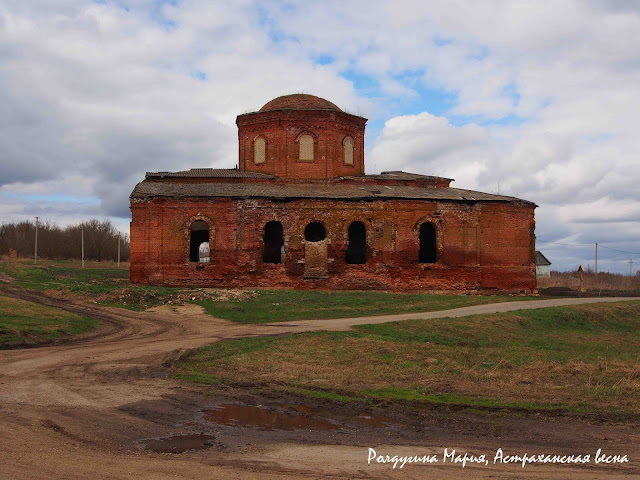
(364, 196)
(337, 197)
(503, 197)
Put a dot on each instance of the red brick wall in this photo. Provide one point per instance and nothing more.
(479, 246)
(281, 130)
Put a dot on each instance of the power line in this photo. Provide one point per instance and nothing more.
(616, 250)
(568, 244)
(588, 245)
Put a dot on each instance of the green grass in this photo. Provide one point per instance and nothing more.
(25, 323)
(581, 358)
(287, 305)
(108, 286)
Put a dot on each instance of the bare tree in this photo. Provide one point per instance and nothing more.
(101, 240)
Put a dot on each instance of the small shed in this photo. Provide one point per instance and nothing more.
(543, 265)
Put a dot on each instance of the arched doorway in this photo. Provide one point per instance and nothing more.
(273, 242)
(357, 243)
(428, 246)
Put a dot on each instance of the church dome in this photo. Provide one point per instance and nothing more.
(299, 101)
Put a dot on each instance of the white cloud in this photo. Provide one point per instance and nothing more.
(97, 93)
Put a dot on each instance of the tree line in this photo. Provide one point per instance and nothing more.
(54, 242)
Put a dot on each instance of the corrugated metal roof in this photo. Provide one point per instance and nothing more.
(208, 173)
(335, 190)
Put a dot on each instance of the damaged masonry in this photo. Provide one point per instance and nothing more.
(299, 212)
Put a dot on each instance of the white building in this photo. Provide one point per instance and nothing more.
(543, 266)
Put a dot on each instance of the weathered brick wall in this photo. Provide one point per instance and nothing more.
(483, 245)
(281, 130)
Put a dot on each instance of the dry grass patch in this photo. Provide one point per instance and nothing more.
(575, 358)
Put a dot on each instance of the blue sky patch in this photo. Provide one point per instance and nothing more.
(198, 74)
(509, 120)
(275, 34)
(323, 59)
(511, 91)
(52, 198)
(441, 42)
(158, 15)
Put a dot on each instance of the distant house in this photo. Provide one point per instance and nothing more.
(543, 266)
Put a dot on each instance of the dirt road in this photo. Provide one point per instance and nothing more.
(87, 408)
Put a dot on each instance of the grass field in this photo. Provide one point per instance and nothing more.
(284, 305)
(582, 358)
(25, 323)
(107, 285)
(100, 281)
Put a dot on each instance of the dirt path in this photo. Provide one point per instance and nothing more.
(83, 410)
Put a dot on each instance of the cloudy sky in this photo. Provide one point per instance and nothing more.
(539, 100)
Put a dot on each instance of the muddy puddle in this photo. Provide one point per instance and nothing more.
(179, 443)
(302, 418)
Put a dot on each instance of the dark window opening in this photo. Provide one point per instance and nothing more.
(273, 243)
(315, 232)
(199, 234)
(427, 243)
(357, 247)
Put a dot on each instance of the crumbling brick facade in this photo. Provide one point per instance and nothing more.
(369, 229)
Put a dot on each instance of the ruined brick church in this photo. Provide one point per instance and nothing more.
(300, 212)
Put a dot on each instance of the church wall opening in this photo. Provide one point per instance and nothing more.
(357, 243)
(273, 242)
(315, 251)
(315, 232)
(427, 243)
(199, 234)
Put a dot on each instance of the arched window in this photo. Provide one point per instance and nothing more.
(427, 243)
(273, 243)
(347, 143)
(306, 148)
(357, 247)
(199, 235)
(259, 150)
(315, 232)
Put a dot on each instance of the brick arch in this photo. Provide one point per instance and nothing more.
(252, 158)
(437, 222)
(306, 132)
(186, 234)
(345, 159)
(357, 242)
(368, 223)
(314, 144)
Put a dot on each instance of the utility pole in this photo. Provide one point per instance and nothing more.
(118, 250)
(35, 254)
(631, 267)
(83, 246)
(596, 258)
